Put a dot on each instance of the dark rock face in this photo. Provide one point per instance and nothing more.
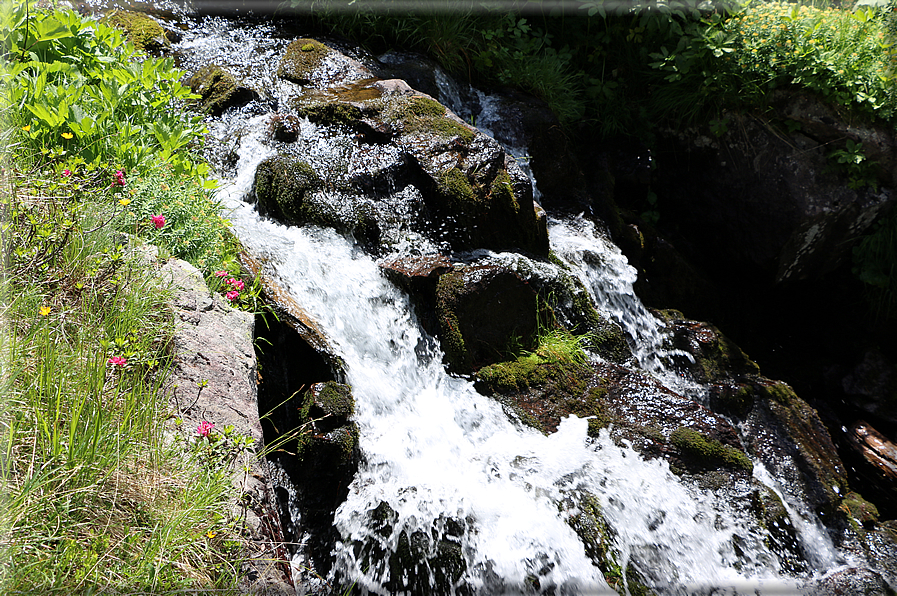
(785, 214)
(482, 312)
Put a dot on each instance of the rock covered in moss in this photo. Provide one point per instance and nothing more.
(141, 30)
(281, 187)
(475, 194)
(218, 89)
(310, 62)
(484, 313)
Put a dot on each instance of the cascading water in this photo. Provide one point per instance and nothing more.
(447, 478)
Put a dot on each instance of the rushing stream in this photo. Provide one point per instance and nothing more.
(450, 464)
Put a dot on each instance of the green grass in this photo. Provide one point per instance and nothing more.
(100, 491)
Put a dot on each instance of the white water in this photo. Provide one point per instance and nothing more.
(434, 449)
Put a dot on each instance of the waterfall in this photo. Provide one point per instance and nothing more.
(437, 451)
(445, 472)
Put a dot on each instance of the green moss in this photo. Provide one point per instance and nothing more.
(335, 399)
(328, 112)
(781, 393)
(502, 193)
(709, 452)
(453, 184)
(217, 88)
(140, 29)
(447, 290)
(281, 185)
(421, 114)
(300, 59)
(859, 509)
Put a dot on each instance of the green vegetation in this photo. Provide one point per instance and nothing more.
(708, 452)
(97, 490)
(625, 71)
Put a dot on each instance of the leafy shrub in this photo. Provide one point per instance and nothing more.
(76, 90)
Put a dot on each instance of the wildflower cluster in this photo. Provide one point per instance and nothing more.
(220, 447)
(232, 287)
(843, 55)
(118, 179)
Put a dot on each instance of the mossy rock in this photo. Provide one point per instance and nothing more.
(142, 30)
(415, 115)
(707, 452)
(541, 390)
(281, 188)
(329, 112)
(587, 521)
(483, 312)
(218, 90)
(331, 399)
(300, 59)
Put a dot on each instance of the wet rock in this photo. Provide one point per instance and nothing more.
(786, 434)
(281, 187)
(712, 356)
(413, 561)
(583, 514)
(850, 580)
(317, 461)
(786, 214)
(293, 331)
(219, 90)
(284, 127)
(660, 422)
(310, 62)
(476, 196)
(212, 379)
(483, 314)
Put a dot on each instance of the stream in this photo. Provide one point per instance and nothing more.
(447, 463)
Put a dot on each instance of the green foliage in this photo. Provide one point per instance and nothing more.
(851, 160)
(75, 90)
(95, 495)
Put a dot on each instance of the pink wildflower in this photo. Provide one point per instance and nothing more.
(119, 178)
(221, 274)
(158, 220)
(232, 295)
(204, 428)
(66, 173)
(117, 360)
(236, 283)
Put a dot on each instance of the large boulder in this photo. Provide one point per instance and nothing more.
(474, 194)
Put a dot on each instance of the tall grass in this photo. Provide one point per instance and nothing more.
(99, 490)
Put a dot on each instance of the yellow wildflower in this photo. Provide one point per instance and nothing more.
(44, 310)
(124, 202)
(67, 135)
(26, 128)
